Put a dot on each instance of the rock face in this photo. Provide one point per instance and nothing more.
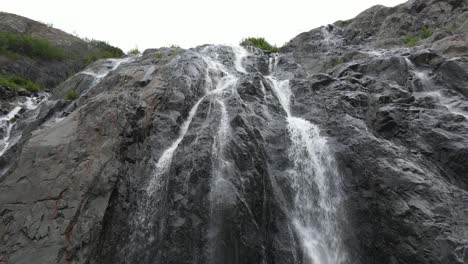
(346, 147)
(47, 72)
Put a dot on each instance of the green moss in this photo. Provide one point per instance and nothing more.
(72, 94)
(17, 44)
(260, 43)
(337, 61)
(411, 41)
(19, 82)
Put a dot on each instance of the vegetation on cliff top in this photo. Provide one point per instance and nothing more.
(105, 51)
(17, 44)
(260, 43)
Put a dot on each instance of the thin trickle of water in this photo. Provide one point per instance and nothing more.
(451, 103)
(214, 70)
(100, 73)
(165, 160)
(273, 63)
(315, 181)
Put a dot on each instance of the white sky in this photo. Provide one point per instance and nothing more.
(188, 23)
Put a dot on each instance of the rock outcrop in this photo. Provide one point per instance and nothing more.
(202, 155)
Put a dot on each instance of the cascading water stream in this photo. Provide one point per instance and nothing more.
(450, 102)
(313, 176)
(220, 86)
(315, 181)
(8, 121)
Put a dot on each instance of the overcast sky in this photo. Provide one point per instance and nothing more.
(188, 23)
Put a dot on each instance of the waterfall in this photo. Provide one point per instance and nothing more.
(314, 179)
(313, 176)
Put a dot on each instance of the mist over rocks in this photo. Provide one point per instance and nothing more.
(349, 145)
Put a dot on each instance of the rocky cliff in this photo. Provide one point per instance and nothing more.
(350, 145)
(49, 71)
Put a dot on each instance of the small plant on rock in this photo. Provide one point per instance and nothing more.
(425, 33)
(411, 41)
(159, 55)
(72, 94)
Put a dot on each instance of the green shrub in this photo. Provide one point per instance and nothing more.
(18, 82)
(72, 94)
(411, 41)
(260, 43)
(16, 44)
(107, 49)
(425, 33)
(134, 51)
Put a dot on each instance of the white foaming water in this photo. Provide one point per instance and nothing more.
(329, 38)
(315, 181)
(451, 103)
(273, 63)
(240, 54)
(110, 65)
(8, 121)
(216, 87)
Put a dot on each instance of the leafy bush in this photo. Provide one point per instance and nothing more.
(72, 95)
(411, 41)
(260, 43)
(16, 44)
(18, 82)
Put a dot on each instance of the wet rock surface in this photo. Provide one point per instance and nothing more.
(88, 181)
